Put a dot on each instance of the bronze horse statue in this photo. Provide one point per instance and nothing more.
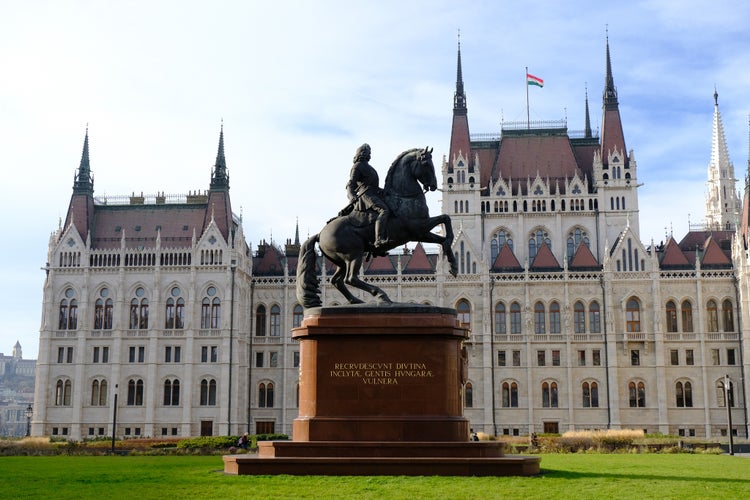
(347, 239)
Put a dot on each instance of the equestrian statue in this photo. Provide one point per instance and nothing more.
(375, 221)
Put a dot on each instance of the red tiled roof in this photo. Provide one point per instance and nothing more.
(380, 265)
(506, 260)
(418, 262)
(612, 134)
(140, 223)
(583, 258)
(673, 256)
(460, 139)
(713, 255)
(544, 259)
(270, 264)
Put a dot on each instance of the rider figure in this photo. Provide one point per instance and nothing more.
(363, 188)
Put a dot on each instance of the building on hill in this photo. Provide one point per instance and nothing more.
(574, 322)
(16, 391)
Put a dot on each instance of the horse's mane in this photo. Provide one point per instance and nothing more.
(396, 163)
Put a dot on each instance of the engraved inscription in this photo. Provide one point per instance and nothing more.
(378, 373)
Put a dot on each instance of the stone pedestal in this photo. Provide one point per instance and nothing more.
(381, 393)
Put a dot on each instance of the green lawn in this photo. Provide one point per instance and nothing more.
(564, 476)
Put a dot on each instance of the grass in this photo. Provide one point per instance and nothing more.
(577, 476)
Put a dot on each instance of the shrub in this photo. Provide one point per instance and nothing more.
(215, 442)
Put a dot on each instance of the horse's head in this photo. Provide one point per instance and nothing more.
(424, 170)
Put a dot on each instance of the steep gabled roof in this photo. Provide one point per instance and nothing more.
(381, 265)
(506, 261)
(583, 259)
(673, 258)
(270, 263)
(544, 260)
(713, 256)
(418, 262)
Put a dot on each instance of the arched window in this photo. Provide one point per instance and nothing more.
(500, 326)
(208, 392)
(713, 316)
(498, 241)
(98, 314)
(549, 394)
(297, 316)
(515, 318)
(536, 240)
(171, 392)
(63, 392)
(468, 395)
(590, 393)
(684, 394)
(135, 392)
(99, 392)
(671, 316)
(727, 313)
(633, 316)
(260, 321)
(68, 311)
(687, 316)
(554, 318)
(464, 314)
(265, 395)
(595, 324)
(539, 325)
(575, 238)
(637, 394)
(139, 310)
(275, 321)
(510, 395)
(579, 318)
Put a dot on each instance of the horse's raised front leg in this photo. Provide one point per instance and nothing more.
(352, 278)
(444, 241)
(337, 280)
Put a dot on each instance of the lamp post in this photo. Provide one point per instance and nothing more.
(28, 412)
(727, 400)
(114, 420)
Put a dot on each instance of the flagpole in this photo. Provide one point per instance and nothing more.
(526, 81)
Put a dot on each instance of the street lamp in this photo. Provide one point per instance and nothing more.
(728, 401)
(28, 412)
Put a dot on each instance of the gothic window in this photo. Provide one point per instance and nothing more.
(468, 395)
(175, 310)
(500, 326)
(99, 392)
(535, 242)
(637, 394)
(687, 316)
(63, 392)
(554, 318)
(633, 316)
(68, 311)
(595, 325)
(464, 313)
(575, 238)
(590, 393)
(579, 318)
(549, 395)
(63, 321)
(171, 392)
(510, 395)
(208, 392)
(135, 392)
(265, 395)
(684, 394)
(297, 316)
(515, 318)
(275, 321)
(498, 241)
(721, 394)
(713, 316)
(727, 313)
(139, 310)
(539, 318)
(260, 321)
(671, 316)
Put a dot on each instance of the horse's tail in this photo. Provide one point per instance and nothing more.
(308, 284)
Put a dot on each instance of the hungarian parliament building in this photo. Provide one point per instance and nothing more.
(158, 312)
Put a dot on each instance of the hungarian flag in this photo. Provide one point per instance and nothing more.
(534, 80)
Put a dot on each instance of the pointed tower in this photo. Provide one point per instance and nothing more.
(722, 202)
(613, 138)
(219, 206)
(587, 130)
(81, 208)
(460, 142)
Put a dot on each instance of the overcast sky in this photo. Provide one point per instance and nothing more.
(299, 85)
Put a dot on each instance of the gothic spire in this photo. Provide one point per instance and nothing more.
(612, 135)
(459, 98)
(84, 182)
(610, 91)
(219, 177)
(722, 204)
(587, 131)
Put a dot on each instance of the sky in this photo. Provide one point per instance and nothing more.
(299, 85)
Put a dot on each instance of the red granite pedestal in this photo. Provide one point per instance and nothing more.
(380, 394)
